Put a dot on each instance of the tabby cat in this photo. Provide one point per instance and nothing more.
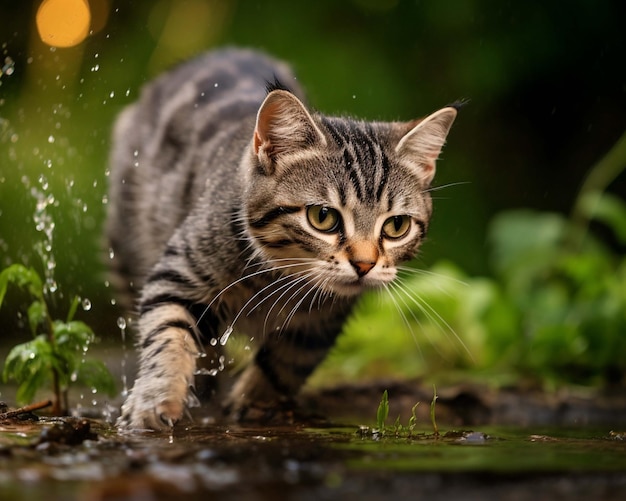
(233, 205)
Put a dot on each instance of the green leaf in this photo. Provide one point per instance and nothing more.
(29, 365)
(37, 316)
(73, 308)
(608, 209)
(413, 418)
(23, 277)
(523, 238)
(75, 336)
(26, 391)
(383, 411)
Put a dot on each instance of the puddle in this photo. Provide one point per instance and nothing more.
(300, 462)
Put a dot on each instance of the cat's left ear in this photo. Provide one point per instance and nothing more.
(283, 126)
(422, 144)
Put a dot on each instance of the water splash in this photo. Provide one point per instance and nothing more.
(122, 324)
(203, 371)
(44, 224)
(226, 335)
(8, 68)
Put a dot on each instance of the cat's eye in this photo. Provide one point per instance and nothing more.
(323, 218)
(396, 226)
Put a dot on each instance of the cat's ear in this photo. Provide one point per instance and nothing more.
(422, 144)
(283, 126)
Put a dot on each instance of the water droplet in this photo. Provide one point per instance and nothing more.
(112, 94)
(226, 335)
(206, 372)
(51, 139)
(121, 323)
(215, 84)
(111, 253)
(86, 303)
(213, 341)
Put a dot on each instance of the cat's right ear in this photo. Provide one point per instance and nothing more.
(422, 144)
(283, 127)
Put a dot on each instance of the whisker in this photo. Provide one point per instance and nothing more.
(407, 270)
(449, 185)
(433, 315)
(402, 293)
(389, 290)
(301, 280)
(314, 285)
(261, 291)
(247, 277)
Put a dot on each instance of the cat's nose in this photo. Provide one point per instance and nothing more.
(362, 267)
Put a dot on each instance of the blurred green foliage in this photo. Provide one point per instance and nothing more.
(546, 97)
(56, 354)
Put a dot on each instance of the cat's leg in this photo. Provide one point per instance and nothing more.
(167, 361)
(279, 369)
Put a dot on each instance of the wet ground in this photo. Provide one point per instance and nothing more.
(570, 451)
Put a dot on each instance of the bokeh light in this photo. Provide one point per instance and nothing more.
(63, 23)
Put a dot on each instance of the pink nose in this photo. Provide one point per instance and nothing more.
(362, 267)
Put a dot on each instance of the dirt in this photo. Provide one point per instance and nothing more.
(516, 444)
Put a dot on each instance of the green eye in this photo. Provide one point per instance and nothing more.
(323, 218)
(396, 226)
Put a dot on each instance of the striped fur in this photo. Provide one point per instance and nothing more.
(220, 193)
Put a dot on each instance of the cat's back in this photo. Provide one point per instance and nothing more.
(189, 125)
(189, 104)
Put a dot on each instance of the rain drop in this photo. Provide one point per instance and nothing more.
(86, 303)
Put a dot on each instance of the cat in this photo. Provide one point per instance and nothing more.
(233, 205)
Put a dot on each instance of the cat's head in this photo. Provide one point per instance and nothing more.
(338, 201)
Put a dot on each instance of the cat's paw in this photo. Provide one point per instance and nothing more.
(155, 410)
(253, 398)
(161, 416)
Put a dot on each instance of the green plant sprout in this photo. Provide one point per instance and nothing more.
(433, 404)
(398, 430)
(57, 350)
(383, 412)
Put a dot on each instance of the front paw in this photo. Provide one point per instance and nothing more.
(253, 398)
(146, 409)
